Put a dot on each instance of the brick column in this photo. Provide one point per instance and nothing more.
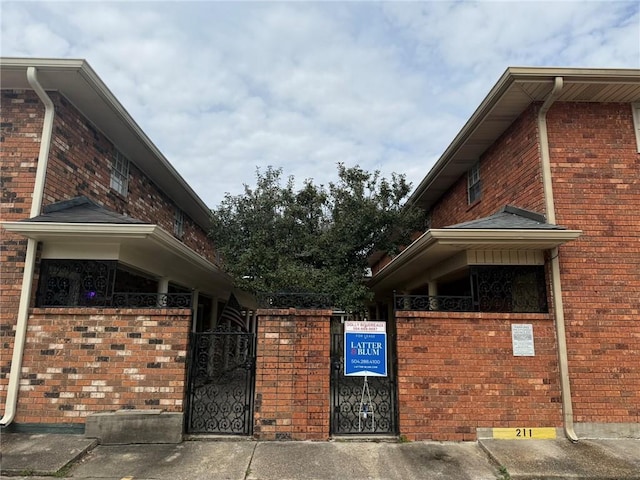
(293, 366)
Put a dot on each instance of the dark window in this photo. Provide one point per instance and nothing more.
(120, 173)
(509, 289)
(178, 223)
(75, 283)
(474, 186)
(94, 283)
(129, 280)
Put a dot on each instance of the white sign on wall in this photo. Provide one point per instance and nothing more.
(522, 340)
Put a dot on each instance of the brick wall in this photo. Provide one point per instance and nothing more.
(80, 164)
(20, 129)
(510, 172)
(596, 180)
(78, 362)
(292, 375)
(457, 372)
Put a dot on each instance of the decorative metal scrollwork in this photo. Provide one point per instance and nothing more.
(309, 301)
(494, 289)
(510, 289)
(221, 382)
(80, 283)
(151, 300)
(90, 283)
(348, 415)
(434, 303)
(356, 410)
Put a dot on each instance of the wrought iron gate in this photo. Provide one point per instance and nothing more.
(361, 406)
(221, 382)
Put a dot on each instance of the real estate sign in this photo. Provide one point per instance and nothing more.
(365, 349)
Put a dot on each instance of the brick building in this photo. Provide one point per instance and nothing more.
(106, 263)
(533, 224)
(518, 307)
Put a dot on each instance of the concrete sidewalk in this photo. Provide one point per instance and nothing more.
(72, 456)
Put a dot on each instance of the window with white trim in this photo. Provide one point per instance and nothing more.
(120, 173)
(636, 123)
(178, 223)
(474, 186)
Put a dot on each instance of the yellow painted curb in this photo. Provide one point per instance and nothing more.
(524, 433)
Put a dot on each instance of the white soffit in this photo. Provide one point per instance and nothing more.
(437, 245)
(144, 246)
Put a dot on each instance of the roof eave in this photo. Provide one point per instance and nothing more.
(512, 76)
(160, 170)
(47, 230)
(450, 240)
(113, 234)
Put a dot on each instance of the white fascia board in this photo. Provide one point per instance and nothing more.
(45, 230)
(502, 236)
(54, 74)
(461, 238)
(111, 233)
(421, 243)
(167, 241)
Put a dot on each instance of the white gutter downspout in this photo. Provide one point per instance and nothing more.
(30, 257)
(556, 286)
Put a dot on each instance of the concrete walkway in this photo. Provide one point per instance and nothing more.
(74, 457)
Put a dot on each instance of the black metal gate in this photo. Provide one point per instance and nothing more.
(359, 406)
(221, 382)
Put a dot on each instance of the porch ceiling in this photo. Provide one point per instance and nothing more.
(437, 245)
(144, 246)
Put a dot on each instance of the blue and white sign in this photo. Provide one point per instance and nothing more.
(365, 349)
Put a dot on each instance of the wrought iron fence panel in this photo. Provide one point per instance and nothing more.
(151, 300)
(79, 283)
(295, 300)
(375, 413)
(434, 303)
(221, 382)
(510, 289)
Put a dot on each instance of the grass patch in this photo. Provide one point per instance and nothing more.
(504, 474)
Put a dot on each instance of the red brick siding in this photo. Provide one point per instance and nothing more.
(292, 375)
(80, 164)
(21, 125)
(510, 172)
(79, 362)
(596, 180)
(457, 372)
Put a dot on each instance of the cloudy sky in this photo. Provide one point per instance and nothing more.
(223, 88)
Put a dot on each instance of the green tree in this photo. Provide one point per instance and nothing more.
(316, 239)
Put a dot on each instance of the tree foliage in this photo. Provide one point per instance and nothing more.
(316, 239)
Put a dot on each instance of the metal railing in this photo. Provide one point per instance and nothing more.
(121, 300)
(310, 301)
(151, 300)
(443, 303)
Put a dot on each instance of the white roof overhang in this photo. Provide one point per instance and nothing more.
(146, 247)
(438, 245)
(80, 85)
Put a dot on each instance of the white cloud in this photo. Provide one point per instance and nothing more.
(225, 87)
